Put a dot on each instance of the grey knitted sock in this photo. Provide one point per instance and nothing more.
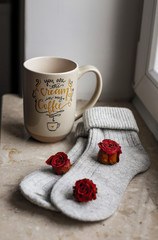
(36, 187)
(117, 124)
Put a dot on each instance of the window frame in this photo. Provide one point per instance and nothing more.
(146, 78)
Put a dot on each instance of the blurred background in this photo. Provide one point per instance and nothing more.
(103, 33)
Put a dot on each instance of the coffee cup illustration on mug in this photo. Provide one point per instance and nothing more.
(49, 92)
(52, 126)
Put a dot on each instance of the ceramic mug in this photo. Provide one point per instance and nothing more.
(49, 92)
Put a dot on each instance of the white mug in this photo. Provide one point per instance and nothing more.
(49, 92)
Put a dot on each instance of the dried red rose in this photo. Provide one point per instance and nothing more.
(59, 162)
(84, 190)
(109, 152)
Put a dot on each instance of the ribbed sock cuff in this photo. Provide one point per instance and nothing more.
(109, 118)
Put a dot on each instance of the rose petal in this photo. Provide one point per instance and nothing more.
(84, 190)
(59, 162)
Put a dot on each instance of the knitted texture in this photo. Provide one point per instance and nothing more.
(117, 124)
(36, 187)
(109, 118)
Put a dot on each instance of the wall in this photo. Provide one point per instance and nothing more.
(103, 33)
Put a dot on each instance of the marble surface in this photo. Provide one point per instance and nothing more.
(137, 214)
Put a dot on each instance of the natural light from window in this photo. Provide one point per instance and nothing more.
(153, 60)
(156, 59)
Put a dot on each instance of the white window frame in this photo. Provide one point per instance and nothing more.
(146, 78)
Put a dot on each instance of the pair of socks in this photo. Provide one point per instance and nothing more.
(48, 190)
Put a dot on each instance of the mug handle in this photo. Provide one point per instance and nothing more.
(95, 96)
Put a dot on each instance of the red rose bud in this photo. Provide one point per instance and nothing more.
(84, 190)
(109, 152)
(59, 162)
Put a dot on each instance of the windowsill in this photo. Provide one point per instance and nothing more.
(135, 218)
(146, 116)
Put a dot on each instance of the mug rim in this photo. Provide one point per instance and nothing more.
(49, 73)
